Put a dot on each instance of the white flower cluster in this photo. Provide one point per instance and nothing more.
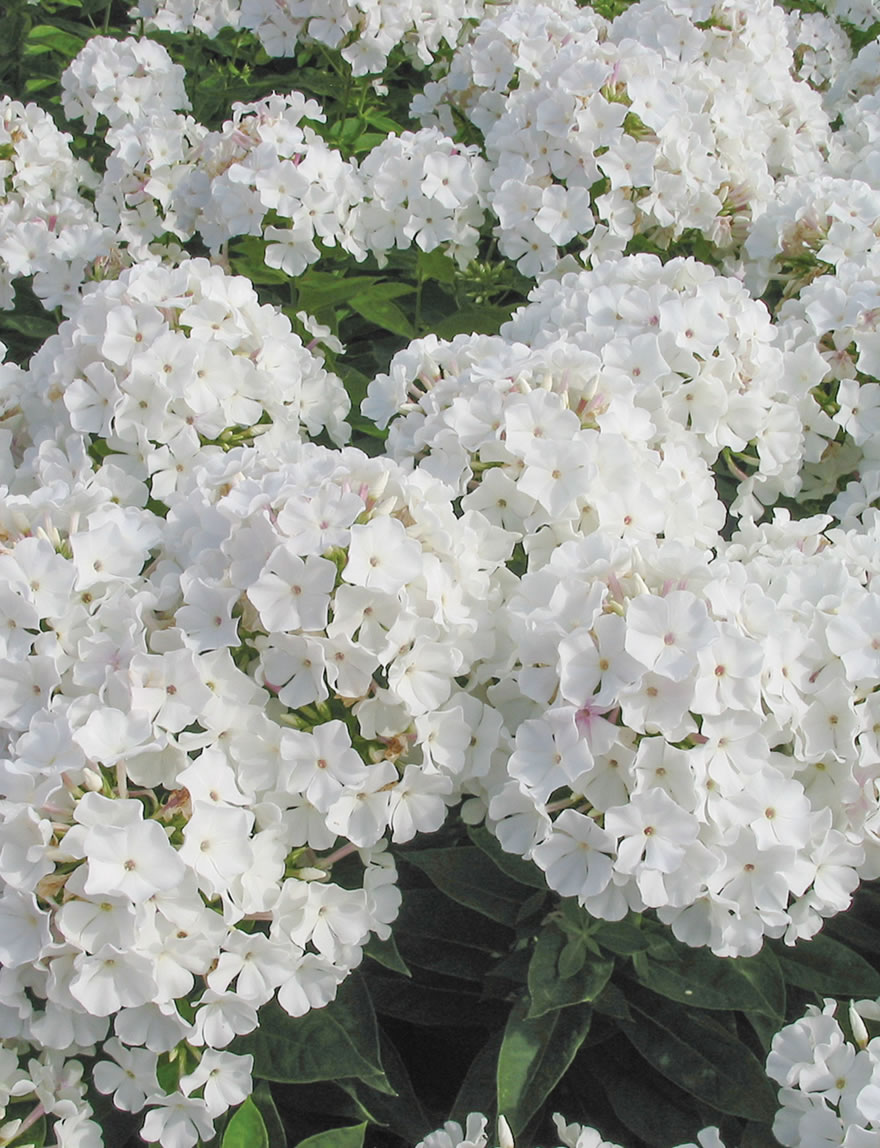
(201, 714)
(677, 116)
(474, 1135)
(48, 227)
(695, 735)
(162, 361)
(267, 172)
(366, 31)
(646, 685)
(121, 81)
(829, 1085)
(660, 368)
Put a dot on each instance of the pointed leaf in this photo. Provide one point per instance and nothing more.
(829, 968)
(387, 954)
(700, 1056)
(697, 977)
(384, 314)
(533, 1057)
(466, 874)
(549, 989)
(522, 871)
(351, 1137)
(327, 1043)
(266, 1104)
(246, 1128)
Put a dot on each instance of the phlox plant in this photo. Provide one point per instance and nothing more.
(440, 574)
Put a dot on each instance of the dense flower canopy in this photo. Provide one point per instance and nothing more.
(608, 588)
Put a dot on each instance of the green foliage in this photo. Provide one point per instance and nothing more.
(534, 1054)
(247, 1129)
(352, 1137)
(337, 1041)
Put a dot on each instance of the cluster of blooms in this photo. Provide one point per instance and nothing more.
(820, 49)
(366, 31)
(670, 357)
(197, 708)
(48, 227)
(861, 13)
(702, 729)
(829, 1085)
(267, 172)
(163, 360)
(650, 110)
(586, 429)
(474, 1135)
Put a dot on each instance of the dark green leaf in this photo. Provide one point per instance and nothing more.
(327, 1043)
(700, 1056)
(351, 1137)
(319, 289)
(479, 319)
(549, 989)
(621, 937)
(533, 1056)
(384, 314)
(827, 967)
(264, 1101)
(447, 957)
(246, 1128)
(697, 977)
(643, 1101)
(612, 1002)
(466, 874)
(402, 1113)
(430, 913)
(478, 1089)
(387, 954)
(34, 326)
(515, 867)
(432, 1005)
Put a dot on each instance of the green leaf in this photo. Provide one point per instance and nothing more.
(246, 1128)
(642, 1100)
(447, 957)
(319, 289)
(432, 1005)
(247, 256)
(430, 913)
(327, 1043)
(827, 967)
(34, 326)
(434, 265)
(266, 1104)
(402, 1113)
(351, 1137)
(697, 977)
(466, 874)
(48, 38)
(386, 953)
(534, 1054)
(549, 989)
(384, 314)
(477, 319)
(700, 1056)
(622, 937)
(514, 866)
(478, 1091)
